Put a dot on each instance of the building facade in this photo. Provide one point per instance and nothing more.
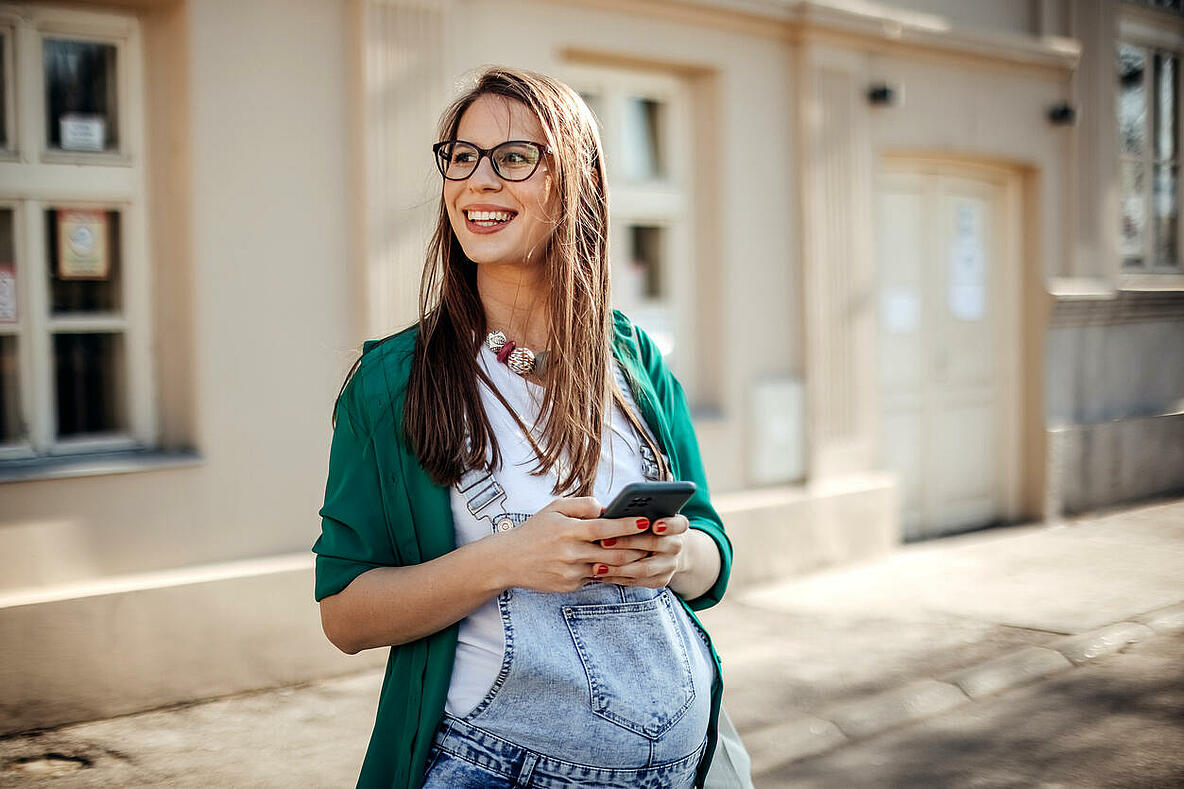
(917, 264)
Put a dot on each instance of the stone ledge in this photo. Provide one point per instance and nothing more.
(1103, 641)
(1009, 671)
(911, 702)
(1165, 620)
(785, 531)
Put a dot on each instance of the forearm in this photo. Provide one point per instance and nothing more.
(394, 605)
(699, 565)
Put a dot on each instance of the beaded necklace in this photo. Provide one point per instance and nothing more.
(520, 359)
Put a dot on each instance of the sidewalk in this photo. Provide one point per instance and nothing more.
(832, 679)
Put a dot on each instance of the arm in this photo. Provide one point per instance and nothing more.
(696, 566)
(556, 550)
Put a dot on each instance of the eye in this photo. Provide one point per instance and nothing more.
(517, 156)
(464, 156)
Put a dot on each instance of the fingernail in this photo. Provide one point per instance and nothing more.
(643, 523)
(609, 542)
(603, 510)
(601, 569)
(659, 527)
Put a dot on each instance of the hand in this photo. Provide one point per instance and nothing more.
(665, 556)
(560, 547)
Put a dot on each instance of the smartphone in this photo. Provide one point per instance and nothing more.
(651, 500)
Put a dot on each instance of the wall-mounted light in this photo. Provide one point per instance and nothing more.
(881, 94)
(1063, 114)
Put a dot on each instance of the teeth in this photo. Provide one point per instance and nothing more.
(489, 216)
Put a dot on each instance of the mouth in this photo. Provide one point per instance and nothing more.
(488, 220)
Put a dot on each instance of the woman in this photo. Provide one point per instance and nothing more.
(533, 642)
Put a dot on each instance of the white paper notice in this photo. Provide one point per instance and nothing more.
(7, 293)
(900, 310)
(83, 132)
(968, 264)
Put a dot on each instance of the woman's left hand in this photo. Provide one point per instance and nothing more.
(665, 540)
(685, 559)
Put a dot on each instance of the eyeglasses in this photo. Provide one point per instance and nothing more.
(513, 160)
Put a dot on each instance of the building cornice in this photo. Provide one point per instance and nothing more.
(855, 23)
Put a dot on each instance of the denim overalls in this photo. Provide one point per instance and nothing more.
(607, 686)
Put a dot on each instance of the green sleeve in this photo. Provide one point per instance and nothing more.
(673, 403)
(354, 536)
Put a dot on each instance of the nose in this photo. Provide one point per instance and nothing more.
(484, 178)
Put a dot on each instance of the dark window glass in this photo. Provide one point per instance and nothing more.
(3, 92)
(641, 152)
(81, 96)
(1134, 213)
(1132, 100)
(1167, 113)
(9, 309)
(90, 378)
(7, 248)
(646, 260)
(1166, 212)
(12, 427)
(85, 273)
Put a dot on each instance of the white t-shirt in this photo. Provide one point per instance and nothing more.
(481, 643)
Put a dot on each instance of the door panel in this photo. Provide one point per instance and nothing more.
(939, 361)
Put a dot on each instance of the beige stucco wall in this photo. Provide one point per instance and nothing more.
(983, 113)
(270, 306)
(757, 197)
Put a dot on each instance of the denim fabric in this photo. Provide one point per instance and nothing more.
(467, 757)
(608, 684)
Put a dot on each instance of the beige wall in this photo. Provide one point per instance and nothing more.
(270, 310)
(1011, 16)
(756, 189)
(983, 113)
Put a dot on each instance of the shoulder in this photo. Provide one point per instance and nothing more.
(379, 382)
(631, 342)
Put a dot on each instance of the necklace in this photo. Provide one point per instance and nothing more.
(520, 359)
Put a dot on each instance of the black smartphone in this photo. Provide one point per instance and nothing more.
(651, 500)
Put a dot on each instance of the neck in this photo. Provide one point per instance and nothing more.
(515, 299)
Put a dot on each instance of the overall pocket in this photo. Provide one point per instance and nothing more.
(635, 656)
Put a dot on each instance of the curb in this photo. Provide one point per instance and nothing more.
(805, 735)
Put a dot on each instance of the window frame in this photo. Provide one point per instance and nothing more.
(662, 202)
(1142, 27)
(38, 179)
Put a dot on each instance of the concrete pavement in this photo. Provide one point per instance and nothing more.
(1026, 656)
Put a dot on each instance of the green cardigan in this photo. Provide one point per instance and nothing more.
(381, 509)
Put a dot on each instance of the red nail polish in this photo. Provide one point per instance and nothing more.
(609, 542)
(601, 569)
(602, 511)
(643, 523)
(659, 527)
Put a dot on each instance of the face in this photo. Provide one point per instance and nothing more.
(522, 212)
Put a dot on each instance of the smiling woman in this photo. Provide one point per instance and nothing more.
(533, 642)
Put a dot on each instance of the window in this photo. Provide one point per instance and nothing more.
(645, 128)
(6, 91)
(1148, 114)
(74, 363)
(1165, 5)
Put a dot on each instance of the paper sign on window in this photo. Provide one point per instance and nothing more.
(83, 132)
(968, 265)
(7, 293)
(82, 245)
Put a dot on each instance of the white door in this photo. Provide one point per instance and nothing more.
(939, 312)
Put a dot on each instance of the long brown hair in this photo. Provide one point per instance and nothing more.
(442, 415)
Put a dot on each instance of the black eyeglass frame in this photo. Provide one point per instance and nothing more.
(542, 148)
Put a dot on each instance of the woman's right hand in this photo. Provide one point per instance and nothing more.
(555, 550)
(558, 549)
